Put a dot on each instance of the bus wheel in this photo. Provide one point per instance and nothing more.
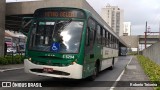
(94, 75)
(112, 66)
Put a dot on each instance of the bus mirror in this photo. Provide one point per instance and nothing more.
(26, 23)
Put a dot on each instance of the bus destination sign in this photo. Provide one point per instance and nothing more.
(60, 13)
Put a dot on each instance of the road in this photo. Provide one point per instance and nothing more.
(106, 75)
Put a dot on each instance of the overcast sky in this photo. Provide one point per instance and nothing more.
(135, 11)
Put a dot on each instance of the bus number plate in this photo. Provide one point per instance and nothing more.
(48, 69)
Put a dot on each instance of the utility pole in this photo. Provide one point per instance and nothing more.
(147, 30)
(159, 31)
(145, 37)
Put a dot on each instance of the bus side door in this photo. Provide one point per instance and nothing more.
(89, 58)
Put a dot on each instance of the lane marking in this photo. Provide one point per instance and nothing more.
(129, 61)
(11, 69)
(119, 77)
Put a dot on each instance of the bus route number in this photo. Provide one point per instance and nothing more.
(68, 56)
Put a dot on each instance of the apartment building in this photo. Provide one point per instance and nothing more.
(114, 17)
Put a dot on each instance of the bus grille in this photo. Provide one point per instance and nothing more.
(54, 72)
(51, 64)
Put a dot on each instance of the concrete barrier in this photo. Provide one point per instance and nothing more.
(153, 52)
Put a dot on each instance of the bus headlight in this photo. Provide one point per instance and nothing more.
(74, 62)
(29, 59)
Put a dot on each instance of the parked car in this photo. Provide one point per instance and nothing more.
(10, 50)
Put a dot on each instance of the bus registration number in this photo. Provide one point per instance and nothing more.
(68, 56)
(47, 69)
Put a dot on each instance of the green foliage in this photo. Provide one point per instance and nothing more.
(11, 60)
(3, 61)
(150, 68)
(18, 59)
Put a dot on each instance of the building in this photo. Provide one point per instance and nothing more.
(114, 18)
(127, 29)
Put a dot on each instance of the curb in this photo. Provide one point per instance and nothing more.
(11, 69)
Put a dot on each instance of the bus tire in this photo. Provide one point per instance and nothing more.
(95, 73)
(112, 66)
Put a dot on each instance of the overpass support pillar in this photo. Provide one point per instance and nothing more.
(2, 25)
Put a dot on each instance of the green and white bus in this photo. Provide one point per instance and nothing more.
(65, 42)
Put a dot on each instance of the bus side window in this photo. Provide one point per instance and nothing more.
(98, 34)
(87, 37)
(107, 39)
(90, 36)
(103, 37)
(91, 33)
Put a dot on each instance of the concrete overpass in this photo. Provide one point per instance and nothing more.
(2, 25)
(15, 11)
(151, 39)
(135, 41)
(131, 41)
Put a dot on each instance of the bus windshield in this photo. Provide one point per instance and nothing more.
(56, 36)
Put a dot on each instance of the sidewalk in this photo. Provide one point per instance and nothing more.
(134, 72)
(11, 67)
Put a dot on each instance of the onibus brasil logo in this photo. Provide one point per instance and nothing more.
(21, 84)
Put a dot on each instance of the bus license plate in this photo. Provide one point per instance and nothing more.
(48, 69)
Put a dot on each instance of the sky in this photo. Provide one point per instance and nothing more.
(135, 11)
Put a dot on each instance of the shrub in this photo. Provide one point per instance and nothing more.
(150, 68)
(3, 61)
(18, 59)
(11, 59)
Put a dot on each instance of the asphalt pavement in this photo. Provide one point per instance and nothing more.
(135, 77)
(4, 68)
(126, 69)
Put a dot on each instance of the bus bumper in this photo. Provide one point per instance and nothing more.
(72, 71)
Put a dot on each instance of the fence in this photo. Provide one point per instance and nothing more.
(153, 52)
